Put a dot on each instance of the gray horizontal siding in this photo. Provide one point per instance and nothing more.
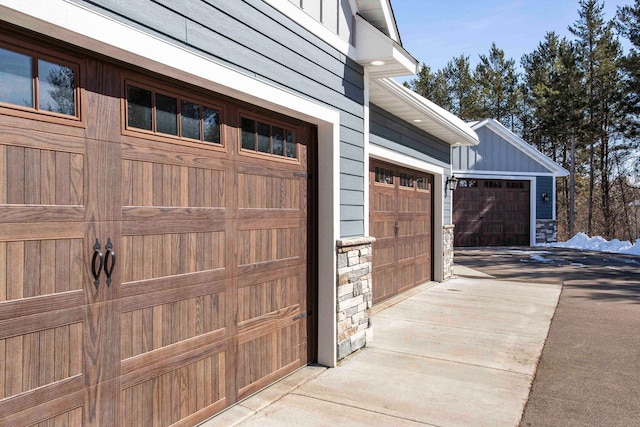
(394, 133)
(494, 154)
(256, 39)
(544, 210)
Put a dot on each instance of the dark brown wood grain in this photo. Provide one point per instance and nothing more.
(401, 221)
(212, 274)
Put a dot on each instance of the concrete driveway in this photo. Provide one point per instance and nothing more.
(459, 353)
(589, 374)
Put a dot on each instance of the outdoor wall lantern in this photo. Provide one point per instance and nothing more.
(452, 183)
(545, 197)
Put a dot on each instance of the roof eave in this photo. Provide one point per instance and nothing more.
(421, 113)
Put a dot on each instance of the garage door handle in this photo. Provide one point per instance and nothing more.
(108, 270)
(97, 256)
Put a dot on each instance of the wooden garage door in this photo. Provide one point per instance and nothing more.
(203, 294)
(401, 222)
(491, 212)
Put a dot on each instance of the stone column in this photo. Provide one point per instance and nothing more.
(447, 248)
(355, 296)
(546, 231)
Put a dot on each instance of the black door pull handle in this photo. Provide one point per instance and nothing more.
(97, 256)
(109, 253)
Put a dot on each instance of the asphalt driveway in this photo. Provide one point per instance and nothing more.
(589, 373)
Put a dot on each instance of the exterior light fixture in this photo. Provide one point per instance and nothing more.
(452, 183)
(377, 63)
(545, 197)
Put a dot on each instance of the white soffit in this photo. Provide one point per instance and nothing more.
(383, 56)
(380, 14)
(420, 112)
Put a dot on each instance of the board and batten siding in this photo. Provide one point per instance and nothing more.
(393, 133)
(336, 15)
(494, 154)
(256, 39)
(544, 184)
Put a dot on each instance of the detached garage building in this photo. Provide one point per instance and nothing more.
(506, 192)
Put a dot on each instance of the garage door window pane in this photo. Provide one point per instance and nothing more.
(139, 108)
(277, 139)
(166, 114)
(291, 148)
(56, 88)
(264, 138)
(190, 113)
(248, 134)
(211, 121)
(16, 78)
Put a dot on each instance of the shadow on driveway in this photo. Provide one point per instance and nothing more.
(589, 373)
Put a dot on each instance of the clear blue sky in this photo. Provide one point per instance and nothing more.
(435, 31)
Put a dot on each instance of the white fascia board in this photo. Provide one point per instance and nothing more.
(385, 154)
(523, 146)
(460, 133)
(499, 174)
(309, 23)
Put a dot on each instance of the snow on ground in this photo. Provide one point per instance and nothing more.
(583, 242)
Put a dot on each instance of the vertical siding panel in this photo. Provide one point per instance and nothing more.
(75, 349)
(61, 353)
(3, 357)
(63, 263)
(13, 371)
(147, 186)
(127, 183)
(46, 354)
(47, 267)
(4, 272)
(63, 178)
(15, 270)
(15, 175)
(32, 177)
(4, 170)
(48, 177)
(30, 362)
(31, 269)
(77, 179)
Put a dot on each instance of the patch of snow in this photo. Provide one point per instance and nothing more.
(577, 264)
(537, 258)
(599, 244)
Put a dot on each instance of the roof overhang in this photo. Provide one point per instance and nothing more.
(380, 14)
(522, 145)
(420, 112)
(383, 56)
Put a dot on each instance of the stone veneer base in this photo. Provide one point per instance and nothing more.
(354, 294)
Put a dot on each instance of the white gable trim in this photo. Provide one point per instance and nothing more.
(522, 145)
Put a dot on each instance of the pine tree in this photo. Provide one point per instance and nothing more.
(598, 56)
(462, 88)
(432, 86)
(497, 81)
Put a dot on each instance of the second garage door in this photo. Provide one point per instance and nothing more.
(489, 212)
(401, 222)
